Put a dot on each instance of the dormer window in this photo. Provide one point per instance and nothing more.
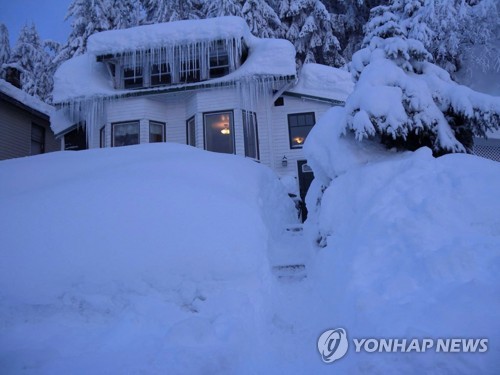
(133, 77)
(171, 65)
(190, 71)
(161, 74)
(219, 61)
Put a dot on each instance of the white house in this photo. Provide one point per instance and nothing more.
(206, 83)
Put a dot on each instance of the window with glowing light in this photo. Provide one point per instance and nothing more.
(299, 126)
(219, 132)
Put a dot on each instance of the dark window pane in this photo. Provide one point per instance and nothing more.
(309, 119)
(160, 74)
(102, 137)
(250, 135)
(156, 132)
(191, 132)
(219, 132)
(132, 78)
(37, 139)
(125, 134)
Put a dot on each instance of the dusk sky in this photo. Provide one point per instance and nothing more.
(48, 16)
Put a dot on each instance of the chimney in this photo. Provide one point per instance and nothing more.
(13, 76)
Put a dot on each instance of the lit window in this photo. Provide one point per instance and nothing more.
(156, 132)
(125, 133)
(299, 126)
(250, 135)
(219, 132)
(191, 132)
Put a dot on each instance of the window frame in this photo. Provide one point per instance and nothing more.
(114, 124)
(191, 135)
(163, 130)
(102, 137)
(136, 77)
(289, 116)
(41, 141)
(231, 128)
(246, 115)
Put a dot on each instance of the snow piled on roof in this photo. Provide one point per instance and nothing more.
(83, 77)
(143, 38)
(324, 81)
(25, 98)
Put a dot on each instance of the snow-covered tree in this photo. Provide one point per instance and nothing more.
(261, 18)
(32, 60)
(123, 14)
(405, 100)
(219, 8)
(309, 27)
(4, 48)
(88, 17)
(459, 27)
(173, 10)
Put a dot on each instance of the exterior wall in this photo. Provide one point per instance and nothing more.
(175, 109)
(280, 133)
(15, 131)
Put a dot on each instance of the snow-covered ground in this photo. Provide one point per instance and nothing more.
(157, 259)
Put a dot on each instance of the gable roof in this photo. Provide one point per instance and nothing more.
(24, 100)
(321, 82)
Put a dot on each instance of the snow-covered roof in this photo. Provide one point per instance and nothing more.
(83, 77)
(321, 81)
(167, 34)
(24, 98)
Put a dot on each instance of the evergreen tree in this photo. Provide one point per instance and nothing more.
(405, 100)
(32, 60)
(88, 17)
(309, 27)
(158, 11)
(219, 8)
(123, 14)
(459, 26)
(261, 18)
(4, 48)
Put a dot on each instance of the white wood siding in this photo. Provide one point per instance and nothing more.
(280, 134)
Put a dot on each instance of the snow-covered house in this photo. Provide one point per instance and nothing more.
(24, 124)
(206, 83)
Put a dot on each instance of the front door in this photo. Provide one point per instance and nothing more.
(305, 178)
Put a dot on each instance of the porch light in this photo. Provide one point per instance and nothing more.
(284, 162)
(225, 130)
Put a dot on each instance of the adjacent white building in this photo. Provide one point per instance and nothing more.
(206, 83)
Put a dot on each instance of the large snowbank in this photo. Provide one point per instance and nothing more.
(25, 98)
(147, 258)
(411, 249)
(324, 82)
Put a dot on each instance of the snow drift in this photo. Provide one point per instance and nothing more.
(141, 258)
(411, 249)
